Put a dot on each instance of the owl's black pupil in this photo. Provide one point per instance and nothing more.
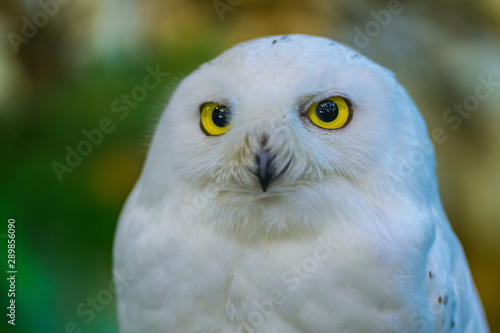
(221, 116)
(327, 111)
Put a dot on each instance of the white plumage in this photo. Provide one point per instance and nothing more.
(349, 234)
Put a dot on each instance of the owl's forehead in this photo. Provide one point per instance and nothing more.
(286, 52)
(280, 69)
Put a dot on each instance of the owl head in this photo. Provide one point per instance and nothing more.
(284, 134)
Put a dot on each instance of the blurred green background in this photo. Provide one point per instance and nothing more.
(64, 63)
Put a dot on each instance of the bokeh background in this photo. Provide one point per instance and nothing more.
(61, 76)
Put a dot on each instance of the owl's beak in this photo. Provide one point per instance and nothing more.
(265, 172)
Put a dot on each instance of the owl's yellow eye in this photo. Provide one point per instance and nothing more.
(331, 113)
(215, 118)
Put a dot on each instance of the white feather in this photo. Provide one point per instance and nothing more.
(351, 238)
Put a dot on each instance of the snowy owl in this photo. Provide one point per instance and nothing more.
(290, 187)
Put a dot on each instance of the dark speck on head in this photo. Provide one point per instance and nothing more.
(274, 41)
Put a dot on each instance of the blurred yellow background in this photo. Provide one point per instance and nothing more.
(65, 63)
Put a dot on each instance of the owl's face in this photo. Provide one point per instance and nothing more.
(291, 120)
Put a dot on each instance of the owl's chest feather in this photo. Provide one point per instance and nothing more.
(313, 284)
